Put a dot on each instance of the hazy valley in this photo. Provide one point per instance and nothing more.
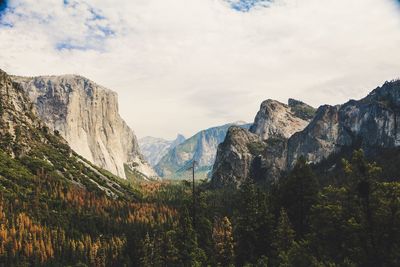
(188, 133)
(66, 154)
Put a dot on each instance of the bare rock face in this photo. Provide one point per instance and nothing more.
(276, 119)
(318, 140)
(86, 115)
(370, 123)
(24, 137)
(261, 152)
(235, 156)
(18, 119)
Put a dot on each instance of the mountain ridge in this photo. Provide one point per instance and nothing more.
(370, 123)
(153, 148)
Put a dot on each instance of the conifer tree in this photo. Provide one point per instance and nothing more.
(223, 242)
(189, 252)
(299, 191)
(284, 239)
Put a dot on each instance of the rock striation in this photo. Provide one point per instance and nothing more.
(86, 115)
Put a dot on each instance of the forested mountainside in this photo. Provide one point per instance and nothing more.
(57, 208)
(86, 115)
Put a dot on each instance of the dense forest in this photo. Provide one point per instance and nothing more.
(300, 220)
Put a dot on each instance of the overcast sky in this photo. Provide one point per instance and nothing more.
(180, 66)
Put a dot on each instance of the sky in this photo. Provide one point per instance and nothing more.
(180, 66)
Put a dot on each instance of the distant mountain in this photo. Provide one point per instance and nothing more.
(201, 147)
(153, 149)
(86, 115)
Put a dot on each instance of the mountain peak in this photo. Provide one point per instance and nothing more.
(277, 119)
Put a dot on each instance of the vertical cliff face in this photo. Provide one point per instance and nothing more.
(86, 115)
(18, 120)
(235, 156)
(319, 139)
(370, 123)
(260, 153)
(30, 144)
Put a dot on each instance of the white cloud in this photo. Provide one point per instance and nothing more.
(184, 65)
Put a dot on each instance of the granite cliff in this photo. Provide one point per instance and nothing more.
(260, 151)
(26, 142)
(86, 115)
(371, 123)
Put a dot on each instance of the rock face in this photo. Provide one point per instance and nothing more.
(17, 118)
(276, 120)
(24, 137)
(202, 147)
(259, 153)
(153, 149)
(235, 156)
(372, 123)
(86, 115)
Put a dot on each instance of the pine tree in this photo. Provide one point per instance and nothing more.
(253, 230)
(170, 251)
(148, 249)
(284, 239)
(299, 191)
(223, 242)
(189, 252)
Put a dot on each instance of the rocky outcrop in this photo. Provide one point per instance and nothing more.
(260, 153)
(86, 115)
(372, 123)
(153, 149)
(234, 157)
(275, 119)
(202, 147)
(18, 121)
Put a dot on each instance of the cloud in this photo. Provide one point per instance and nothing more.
(185, 65)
